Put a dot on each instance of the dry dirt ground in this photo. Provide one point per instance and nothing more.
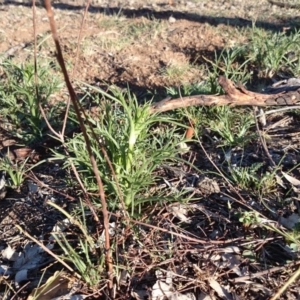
(146, 45)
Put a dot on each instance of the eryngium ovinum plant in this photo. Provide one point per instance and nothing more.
(137, 142)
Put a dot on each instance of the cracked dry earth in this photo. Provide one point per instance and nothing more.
(146, 45)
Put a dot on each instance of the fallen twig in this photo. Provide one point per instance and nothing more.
(265, 272)
(286, 285)
(235, 96)
(284, 4)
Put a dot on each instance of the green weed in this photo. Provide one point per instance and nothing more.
(232, 64)
(266, 54)
(249, 218)
(274, 52)
(15, 171)
(19, 100)
(128, 132)
(84, 253)
(246, 177)
(232, 126)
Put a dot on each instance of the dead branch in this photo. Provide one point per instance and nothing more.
(235, 96)
(284, 5)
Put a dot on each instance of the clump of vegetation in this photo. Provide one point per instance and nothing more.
(22, 92)
(135, 144)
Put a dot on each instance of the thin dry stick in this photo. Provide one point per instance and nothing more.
(273, 111)
(265, 272)
(58, 135)
(211, 161)
(79, 37)
(86, 138)
(75, 64)
(286, 285)
(35, 50)
(262, 140)
(107, 160)
(203, 242)
(243, 202)
(45, 186)
(20, 290)
(61, 138)
(46, 249)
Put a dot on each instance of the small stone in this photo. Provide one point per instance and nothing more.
(172, 20)
(208, 186)
(3, 189)
(32, 187)
(190, 4)
(3, 193)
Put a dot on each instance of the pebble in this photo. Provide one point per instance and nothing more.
(172, 20)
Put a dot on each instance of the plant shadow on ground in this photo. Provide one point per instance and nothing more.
(165, 14)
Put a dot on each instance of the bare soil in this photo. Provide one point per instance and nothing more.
(149, 45)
